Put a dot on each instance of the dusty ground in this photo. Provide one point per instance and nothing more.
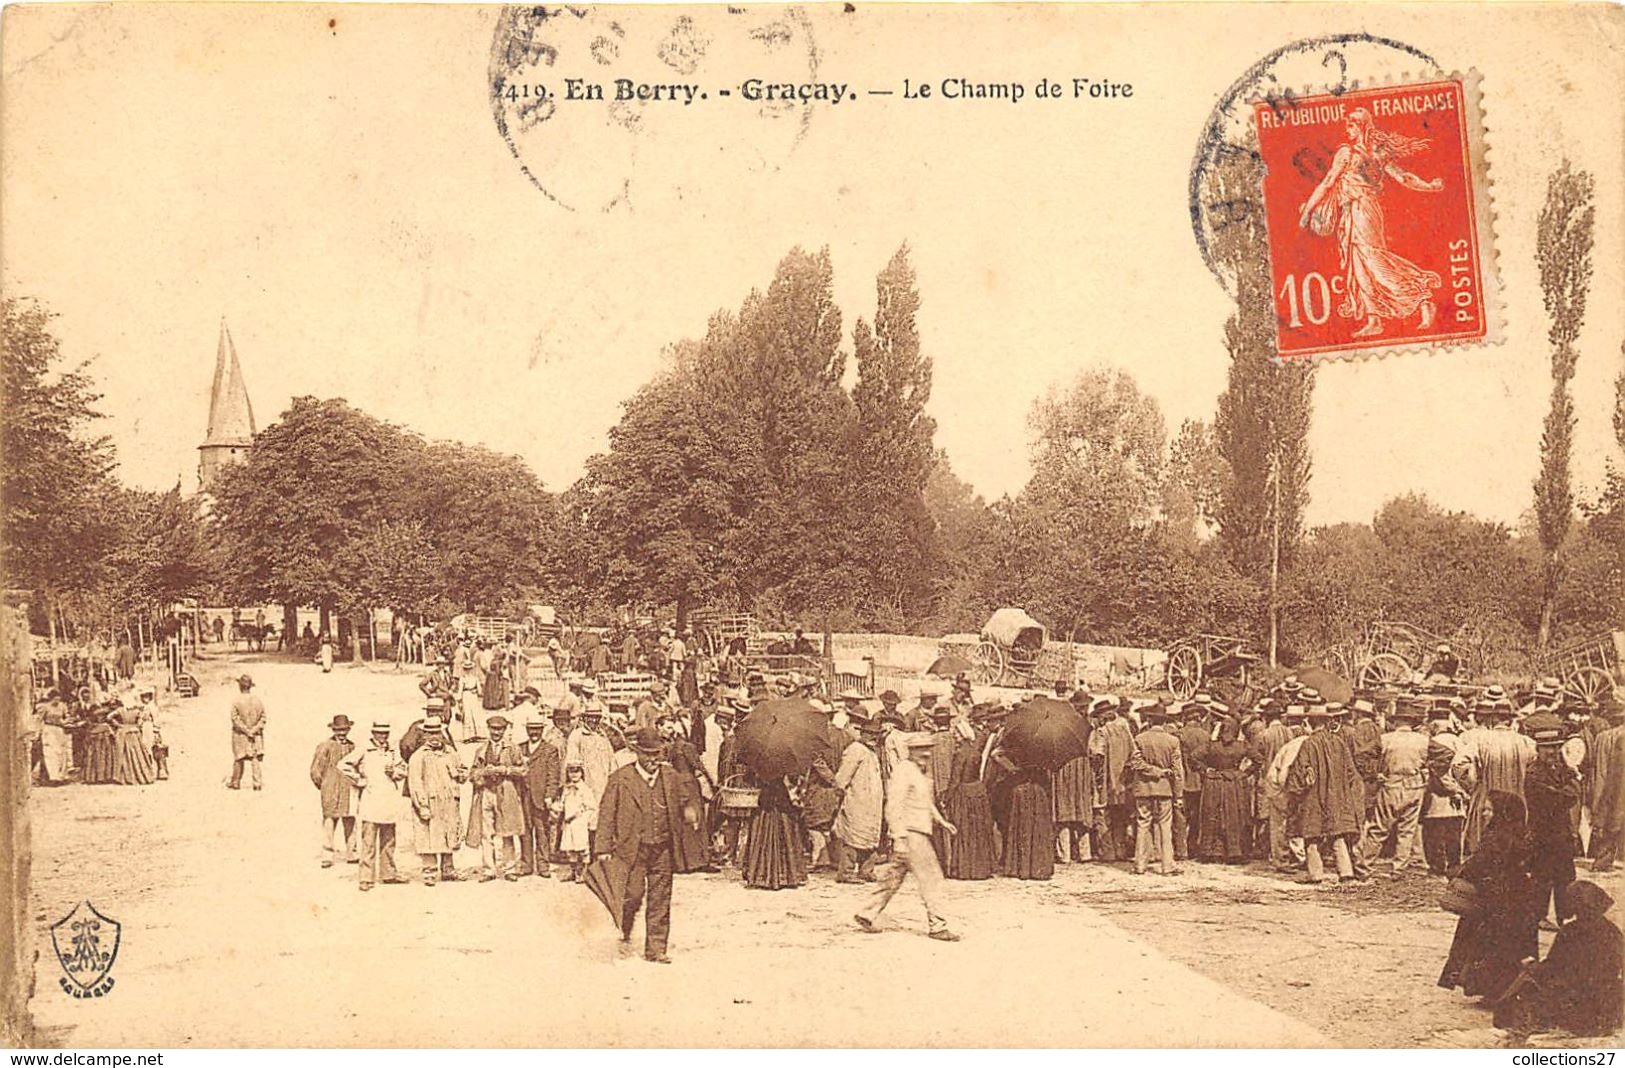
(234, 935)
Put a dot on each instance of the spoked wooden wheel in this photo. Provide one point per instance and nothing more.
(1184, 672)
(1385, 670)
(987, 664)
(1589, 684)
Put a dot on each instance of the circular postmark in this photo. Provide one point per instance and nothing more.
(587, 99)
(1223, 196)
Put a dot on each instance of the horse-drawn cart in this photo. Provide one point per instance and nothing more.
(1389, 654)
(1012, 649)
(1588, 668)
(1196, 662)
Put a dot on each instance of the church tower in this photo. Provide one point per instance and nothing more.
(231, 417)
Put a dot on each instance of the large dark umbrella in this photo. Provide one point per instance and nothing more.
(781, 738)
(1045, 733)
(607, 877)
(1332, 686)
(946, 667)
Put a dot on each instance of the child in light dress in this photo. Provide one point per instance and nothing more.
(578, 808)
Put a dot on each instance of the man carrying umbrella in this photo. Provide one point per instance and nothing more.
(637, 823)
(912, 814)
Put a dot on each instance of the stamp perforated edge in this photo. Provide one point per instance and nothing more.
(1485, 218)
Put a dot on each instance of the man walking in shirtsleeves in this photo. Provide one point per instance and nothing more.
(911, 815)
(247, 733)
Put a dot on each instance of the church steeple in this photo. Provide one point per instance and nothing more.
(231, 416)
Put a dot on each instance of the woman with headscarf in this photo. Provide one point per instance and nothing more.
(1579, 986)
(1224, 765)
(1498, 931)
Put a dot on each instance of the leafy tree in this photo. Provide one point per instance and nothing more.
(1196, 478)
(56, 476)
(895, 454)
(483, 516)
(1564, 236)
(1262, 424)
(323, 477)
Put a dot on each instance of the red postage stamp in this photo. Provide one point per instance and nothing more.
(1380, 226)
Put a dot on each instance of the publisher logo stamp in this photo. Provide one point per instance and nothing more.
(86, 944)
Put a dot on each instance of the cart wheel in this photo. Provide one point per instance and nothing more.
(1384, 670)
(1184, 674)
(1589, 684)
(987, 664)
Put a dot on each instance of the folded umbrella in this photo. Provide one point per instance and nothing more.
(1045, 733)
(781, 738)
(607, 877)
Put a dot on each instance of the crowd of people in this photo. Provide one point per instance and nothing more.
(96, 736)
(1494, 796)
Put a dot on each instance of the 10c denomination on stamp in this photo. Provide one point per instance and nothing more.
(1380, 225)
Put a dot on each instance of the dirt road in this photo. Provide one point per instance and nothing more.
(234, 935)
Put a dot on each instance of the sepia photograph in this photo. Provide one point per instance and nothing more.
(843, 525)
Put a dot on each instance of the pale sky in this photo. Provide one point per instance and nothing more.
(342, 196)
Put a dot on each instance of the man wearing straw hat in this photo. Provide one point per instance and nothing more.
(1402, 778)
(1330, 796)
(378, 773)
(912, 814)
(434, 777)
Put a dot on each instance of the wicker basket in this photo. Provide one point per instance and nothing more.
(737, 800)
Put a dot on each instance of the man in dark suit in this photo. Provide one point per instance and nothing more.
(539, 789)
(637, 822)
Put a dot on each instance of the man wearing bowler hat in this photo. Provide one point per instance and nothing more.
(338, 795)
(637, 823)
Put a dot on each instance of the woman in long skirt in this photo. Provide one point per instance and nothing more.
(1222, 834)
(973, 852)
(1029, 839)
(690, 846)
(774, 856)
(99, 747)
(132, 761)
(494, 695)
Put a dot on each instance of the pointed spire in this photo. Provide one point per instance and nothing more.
(231, 416)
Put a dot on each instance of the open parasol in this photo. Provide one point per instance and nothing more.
(781, 738)
(1045, 733)
(946, 667)
(1332, 686)
(607, 877)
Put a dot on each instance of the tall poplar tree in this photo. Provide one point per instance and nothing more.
(1563, 242)
(1262, 425)
(895, 451)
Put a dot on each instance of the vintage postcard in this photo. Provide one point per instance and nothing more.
(812, 525)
